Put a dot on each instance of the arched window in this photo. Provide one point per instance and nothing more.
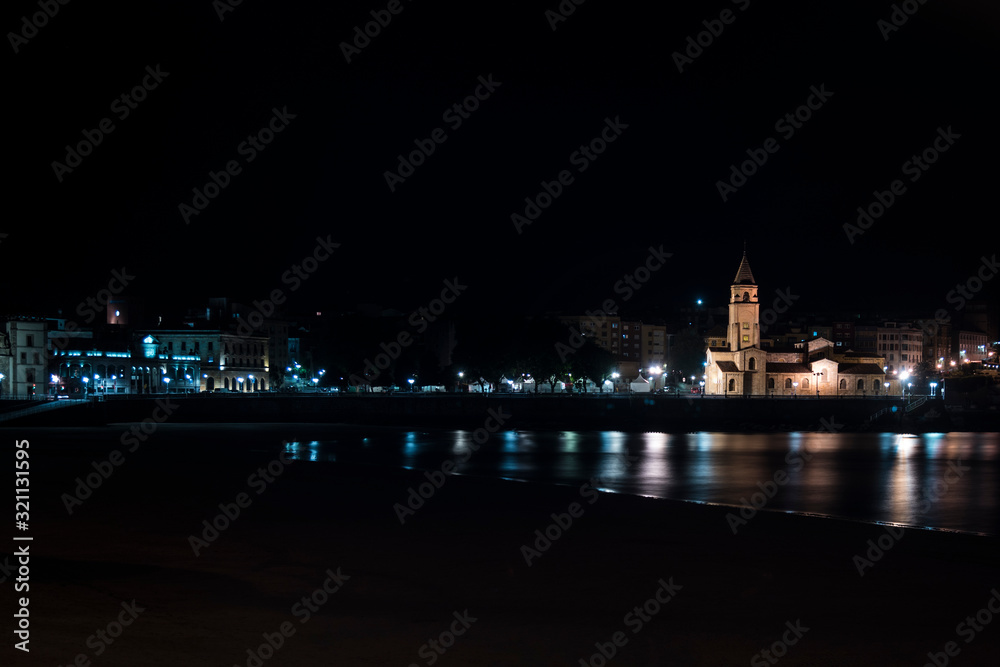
(746, 296)
(843, 383)
(788, 383)
(753, 364)
(732, 384)
(875, 385)
(770, 383)
(805, 383)
(861, 385)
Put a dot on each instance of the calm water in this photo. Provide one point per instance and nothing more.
(938, 480)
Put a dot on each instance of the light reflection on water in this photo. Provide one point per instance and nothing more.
(940, 480)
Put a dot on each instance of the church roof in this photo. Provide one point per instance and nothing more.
(861, 369)
(784, 367)
(727, 366)
(744, 276)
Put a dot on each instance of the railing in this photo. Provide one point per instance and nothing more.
(916, 404)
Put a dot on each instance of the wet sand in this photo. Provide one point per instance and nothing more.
(727, 597)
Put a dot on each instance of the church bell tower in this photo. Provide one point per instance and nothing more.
(744, 310)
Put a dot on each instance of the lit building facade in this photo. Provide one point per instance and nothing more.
(740, 366)
(23, 361)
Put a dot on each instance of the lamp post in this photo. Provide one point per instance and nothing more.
(795, 385)
(816, 377)
(933, 388)
(887, 391)
(166, 381)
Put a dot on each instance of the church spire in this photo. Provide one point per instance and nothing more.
(744, 276)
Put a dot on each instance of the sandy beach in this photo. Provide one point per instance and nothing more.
(317, 568)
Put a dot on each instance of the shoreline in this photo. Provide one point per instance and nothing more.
(591, 412)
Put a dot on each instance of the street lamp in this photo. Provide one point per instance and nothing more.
(86, 381)
(795, 385)
(167, 381)
(410, 380)
(887, 391)
(933, 388)
(817, 376)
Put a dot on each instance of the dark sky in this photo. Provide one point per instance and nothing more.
(655, 185)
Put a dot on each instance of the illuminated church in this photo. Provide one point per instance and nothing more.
(812, 368)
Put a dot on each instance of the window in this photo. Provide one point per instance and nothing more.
(843, 384)
(770, 383)
(29, 341)
(197, 346)
(29, 375)
(753, 363)
(732, 384)
(746, 325)
(746, 339)
(902, 357)
(805, 383)
(24, 357)
(861, 385)
(184, 346)
(170, 346)
(210, 346)
(38, 359)
(875, 385)
(788, 383)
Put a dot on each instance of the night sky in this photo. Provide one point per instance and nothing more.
(887, 93)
